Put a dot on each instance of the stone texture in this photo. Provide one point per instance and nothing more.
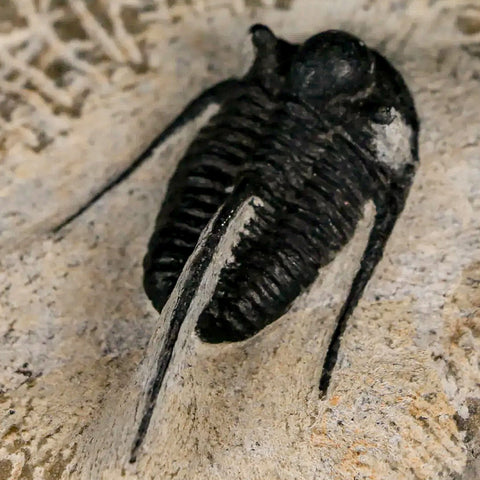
(77, 334)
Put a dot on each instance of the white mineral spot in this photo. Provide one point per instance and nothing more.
(392, 141)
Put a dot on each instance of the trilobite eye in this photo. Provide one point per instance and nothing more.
(329, 64)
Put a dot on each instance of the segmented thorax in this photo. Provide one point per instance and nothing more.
(202, 181)
(314, 174)
(321, 163)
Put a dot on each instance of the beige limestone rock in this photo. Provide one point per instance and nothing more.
(82, 92)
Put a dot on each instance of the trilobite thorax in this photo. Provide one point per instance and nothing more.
(206, 173)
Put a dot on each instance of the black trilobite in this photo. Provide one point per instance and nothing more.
(337, 129)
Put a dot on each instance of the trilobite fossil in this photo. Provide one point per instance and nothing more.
(310, 135)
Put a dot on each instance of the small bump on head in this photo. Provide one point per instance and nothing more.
(272, 58)
(262, 36)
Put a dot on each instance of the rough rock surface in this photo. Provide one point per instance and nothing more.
(82, 92)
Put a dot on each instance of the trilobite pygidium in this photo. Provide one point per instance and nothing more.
(314, 132)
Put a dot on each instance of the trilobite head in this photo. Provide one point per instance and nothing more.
(330, 64)
(273, 58)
